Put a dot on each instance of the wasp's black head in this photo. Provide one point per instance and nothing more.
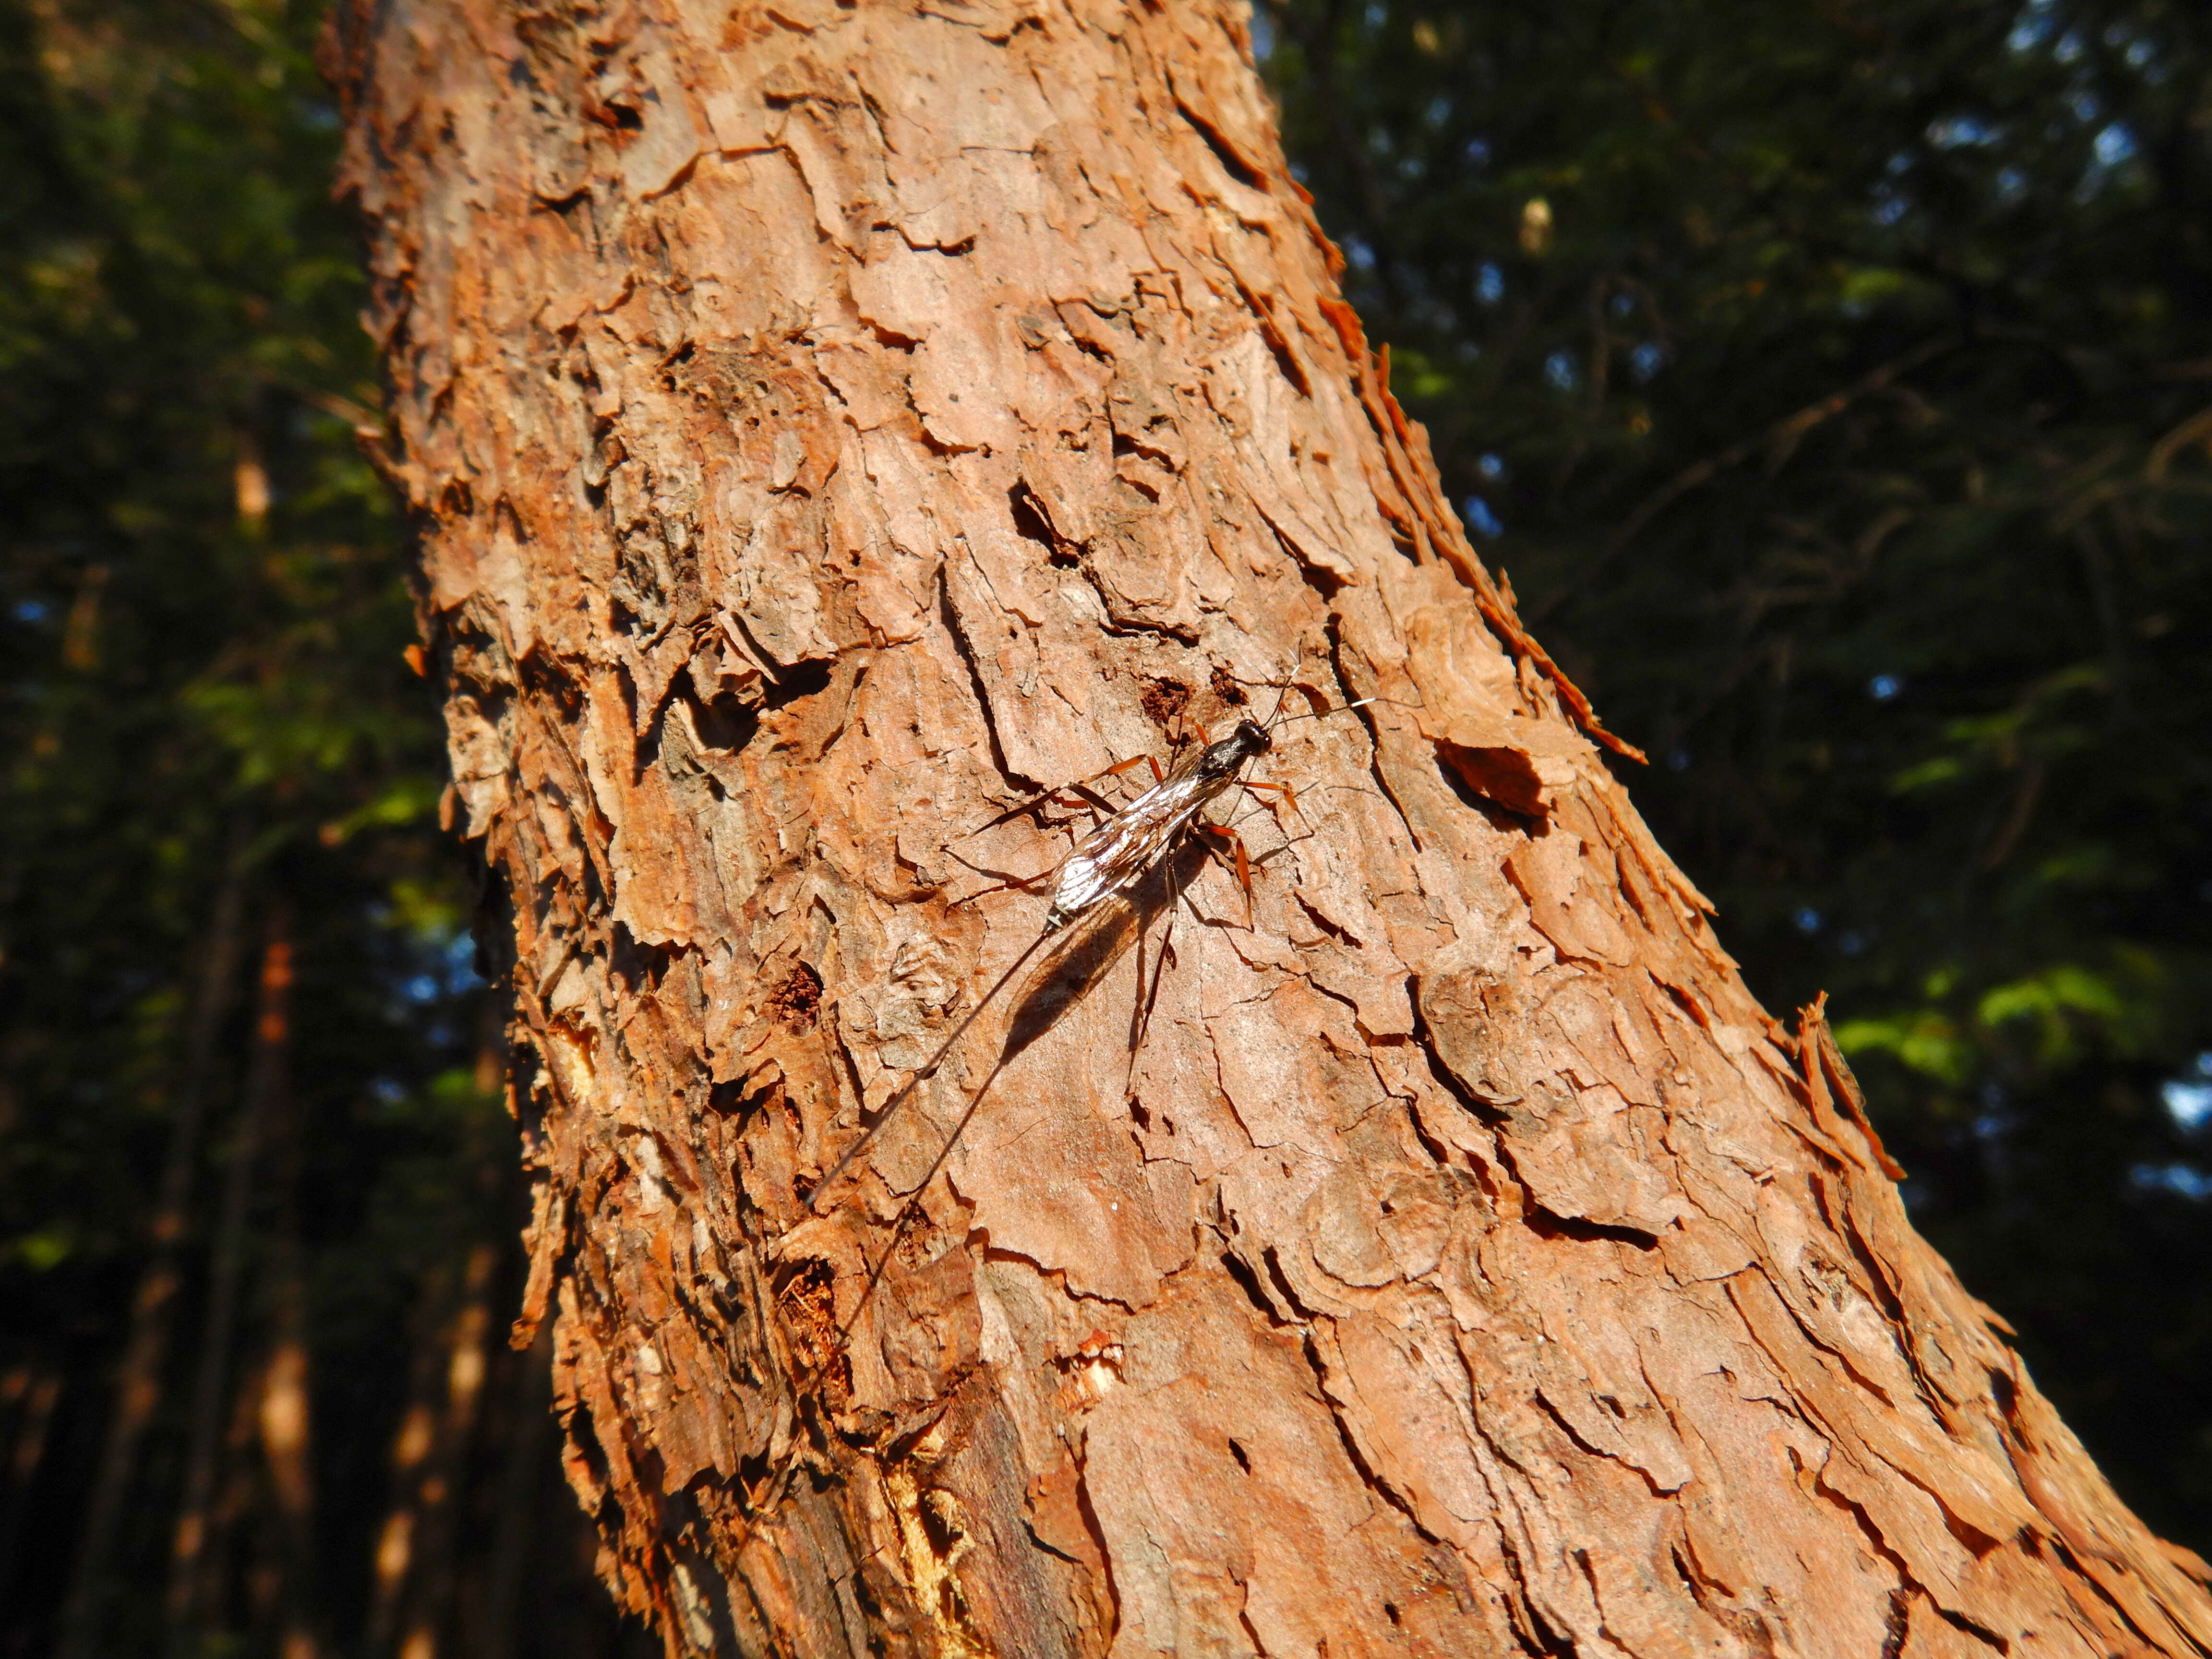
(1245, 743)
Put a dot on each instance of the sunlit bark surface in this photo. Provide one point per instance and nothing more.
(829, 424)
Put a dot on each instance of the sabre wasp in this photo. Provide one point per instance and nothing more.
(1128, 845)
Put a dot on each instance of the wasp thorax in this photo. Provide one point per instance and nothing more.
(1247, 741)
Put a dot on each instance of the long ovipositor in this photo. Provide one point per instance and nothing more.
(1113, 860)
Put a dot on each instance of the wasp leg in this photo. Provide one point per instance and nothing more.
(1038, 883)
(1140, 1017)
(1289, 797)
(1051, 797)
(1244, 864)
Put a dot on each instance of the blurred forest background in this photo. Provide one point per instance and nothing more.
(1834, 380)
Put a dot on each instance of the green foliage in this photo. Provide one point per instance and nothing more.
(203, 609)
(1836, 382)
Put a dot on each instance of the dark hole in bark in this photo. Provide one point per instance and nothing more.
(1322, 581)
(1232, 163)
(797, 1001)
(751, 1471)
(634, 962)
(941, 1533)
(1552, 1643)
(1281, 1281)
(1498, 817)
(2001, 1391)
(1242, 1462)
(1899, 1624)
(1545, 1225)
(1390, 1612)
(1163, 700)
(543, 675)
(1032, 525)
(1682, 1572)
(1226, 687)
(583, 1437)
(1248, 1282)
(722, 723)
(803, 681)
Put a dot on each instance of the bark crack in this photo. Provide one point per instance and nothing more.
(965, 649)
(1369, 1477)
(1590, 1450)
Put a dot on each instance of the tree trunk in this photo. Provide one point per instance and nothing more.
(266, 1081)
(416, 1576)
(829, 424)
(138, 1378)
(286, 1415)
(523, 1460)
(28, 1393)
(414, 1556)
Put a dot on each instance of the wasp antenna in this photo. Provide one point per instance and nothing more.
(1320, 714)
(1283, 690)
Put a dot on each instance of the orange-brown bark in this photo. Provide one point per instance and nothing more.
(827, 423)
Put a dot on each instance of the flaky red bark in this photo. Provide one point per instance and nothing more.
(828, 424)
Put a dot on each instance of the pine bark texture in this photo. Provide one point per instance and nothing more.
(828, 425)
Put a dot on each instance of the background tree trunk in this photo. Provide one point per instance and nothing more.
(417, 1580)
(139, 1377)
(828, 424)
(266, 1084)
